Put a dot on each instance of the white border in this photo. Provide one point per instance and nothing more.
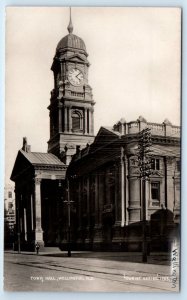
(161, 3)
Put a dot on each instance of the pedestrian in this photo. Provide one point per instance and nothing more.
(37, 246)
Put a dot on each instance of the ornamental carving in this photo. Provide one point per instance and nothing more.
(37, 180)
(170, 159)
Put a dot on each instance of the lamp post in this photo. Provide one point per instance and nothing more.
(69, 202)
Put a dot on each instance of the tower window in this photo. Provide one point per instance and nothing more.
(76, 121)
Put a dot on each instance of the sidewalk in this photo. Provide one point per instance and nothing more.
(155, 258)
(119, 271)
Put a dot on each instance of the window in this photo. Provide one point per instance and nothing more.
(155, 193)
(9, 194)
(155, 164)
(178, 165)
(76, 121)
(10, 205)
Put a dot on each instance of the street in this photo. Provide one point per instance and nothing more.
(88, 271)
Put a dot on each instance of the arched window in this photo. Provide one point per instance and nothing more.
(76, 121)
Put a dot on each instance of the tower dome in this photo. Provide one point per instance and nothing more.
(71, 40)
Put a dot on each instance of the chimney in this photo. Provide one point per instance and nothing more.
(26, 147)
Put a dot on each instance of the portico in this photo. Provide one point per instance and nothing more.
(39, 192)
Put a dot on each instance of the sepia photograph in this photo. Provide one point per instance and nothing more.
(92, 149)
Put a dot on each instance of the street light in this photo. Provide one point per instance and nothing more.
(69, 202)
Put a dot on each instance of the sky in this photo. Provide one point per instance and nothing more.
(135, 67)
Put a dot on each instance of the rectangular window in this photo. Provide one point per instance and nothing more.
(9, 194)
(155, 164)
(155, 193)
(178, 165)
(10, 205)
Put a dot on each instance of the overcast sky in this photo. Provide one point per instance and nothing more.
(135, 67)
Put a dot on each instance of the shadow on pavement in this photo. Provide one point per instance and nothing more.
(155, 258)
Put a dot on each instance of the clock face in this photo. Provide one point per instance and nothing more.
(75, 77)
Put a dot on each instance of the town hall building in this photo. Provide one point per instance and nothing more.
(99, 175)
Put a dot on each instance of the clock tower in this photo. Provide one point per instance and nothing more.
(71, 105)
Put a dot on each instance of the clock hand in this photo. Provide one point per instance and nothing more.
(78, 74)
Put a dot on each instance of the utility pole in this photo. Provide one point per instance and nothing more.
(69, 202)
(145, 170)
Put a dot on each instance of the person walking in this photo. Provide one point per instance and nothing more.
(37, 246)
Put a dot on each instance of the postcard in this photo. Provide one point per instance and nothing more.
(92, 179)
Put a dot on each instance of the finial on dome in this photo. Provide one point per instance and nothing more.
(70, 26)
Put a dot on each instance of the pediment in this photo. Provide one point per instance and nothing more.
(20, 166)
(156, 173)
(104, 136)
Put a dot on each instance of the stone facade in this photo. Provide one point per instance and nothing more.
(98, 174)
(108, 196)
(71, 103)
(38, 179)
(9, 215)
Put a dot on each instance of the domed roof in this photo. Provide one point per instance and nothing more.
(71, 41)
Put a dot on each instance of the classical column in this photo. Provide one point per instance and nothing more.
(117, 194)
(68, 125)
(96, 200)
(65, 119)
(85, 120)
(22, 222)
(126, 191)
(100, 197)
(88, 212)
(38, 216)
(98, 226)
(25, 223)
(122, 167)
(119, 205)
(32, 214)
(59, 117)
(120, 191)
(134, 239)
(107, 194)
(134, 199)
(91, 121)
(70, 119)
(79, 239)
(88, 121)
(18, 198)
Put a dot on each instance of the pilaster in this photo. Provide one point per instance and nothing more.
(38, 217)
(119, 203)
(80, 237)
(59, 117)
(70, 118)
(65, 119)
(92, 121)
(85, 121)
(87, 239)
(98, 227)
